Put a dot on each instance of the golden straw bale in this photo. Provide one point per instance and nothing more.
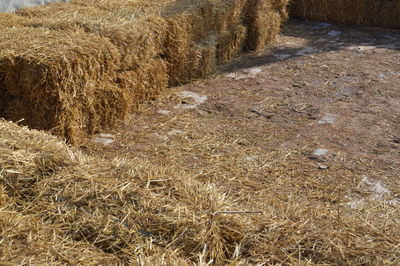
(280, 6)
(229, 13)
(377, 13)
(53, 75)
(231, 43)
(176, 50)
(145, 82)
(203, 59)
(263, 24)
(137, 39)
(11, 20)
(131, 6)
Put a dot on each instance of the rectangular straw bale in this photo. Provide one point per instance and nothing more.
(145, 82)
(132, 7)
(11, 20)
(280, 6)
(187, 23)
(230, 43)
(263, 24)
(137, 39)
(53, 76)
(180, 23)
(203, 59)
(377, 13)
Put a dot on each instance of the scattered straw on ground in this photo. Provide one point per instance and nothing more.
(56, 201)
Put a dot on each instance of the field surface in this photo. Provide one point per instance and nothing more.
(313, 122)
(289, 156)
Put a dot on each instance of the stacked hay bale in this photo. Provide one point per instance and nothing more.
(376, 13)
(60, 80)
(77, 67)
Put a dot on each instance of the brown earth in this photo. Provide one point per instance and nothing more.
(276, 101)
(320, 86)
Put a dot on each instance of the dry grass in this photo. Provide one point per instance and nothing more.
(56, 201)
(377, 13)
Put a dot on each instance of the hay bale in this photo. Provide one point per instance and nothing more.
(377, 13)
(231, 43)
(263, 24)
(54, 76)
(204, 59)
(145, 82)
(138, 39)
(10, 20)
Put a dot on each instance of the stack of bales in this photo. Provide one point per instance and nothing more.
(377, 13)
(77, 67)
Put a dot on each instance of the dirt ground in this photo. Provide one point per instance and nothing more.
(317, 115)
(330, 93)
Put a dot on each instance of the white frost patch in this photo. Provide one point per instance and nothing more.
(252, 71)
(198, 99)
(361, 47)
(104, 141)
(245, 73)
(307, 51)
(378, 192)
(388, 46)
(356, 204)
(13, 5)
(327, 119)
(174, 132)
(250, 158)
(334, 33)
(104, 138)
(164, 112)
(322, 25)
(281, 56)
(320, 152)
(231, 75)
(376, 187)
(106, 135)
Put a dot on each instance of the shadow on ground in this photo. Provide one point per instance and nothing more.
(319, 37)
